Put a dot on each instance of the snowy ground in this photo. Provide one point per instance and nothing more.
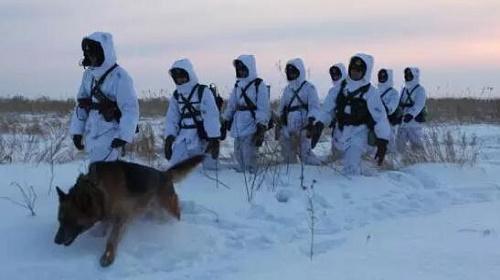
(428, 221)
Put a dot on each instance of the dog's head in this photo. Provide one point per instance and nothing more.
(79, 210)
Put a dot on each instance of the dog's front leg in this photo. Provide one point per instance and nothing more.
(101, 229)
(116, 233)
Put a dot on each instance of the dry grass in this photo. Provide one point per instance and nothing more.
(145, 144)
(21, 105)
(464, 110)
(444, 145)
(26, 125)
(156, 104)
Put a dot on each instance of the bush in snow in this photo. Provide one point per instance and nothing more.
(28, 198)
(443, 144)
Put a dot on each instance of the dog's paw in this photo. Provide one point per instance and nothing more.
(107, 259)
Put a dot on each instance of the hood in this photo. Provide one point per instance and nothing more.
(368, 60)
(343, 72)
(390, 80)
(249, 61)
(106, 41)
(188, 67)
(416, 78)
(299, 64)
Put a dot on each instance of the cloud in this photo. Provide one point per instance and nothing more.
(41, 39)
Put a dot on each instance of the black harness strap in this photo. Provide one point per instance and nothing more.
(409, 101)
(250, 105)
(95, 91)
(188, 111)
(103, 77)
(105, 106)
(302, 105)
(382, 98)
(386, 92)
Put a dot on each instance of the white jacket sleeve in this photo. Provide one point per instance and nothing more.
(313, 103)
(126, 99)
(263, 105)
(419, 98)
(79, 117)
(283, 102)
(392, 101)
(377, 111)
(210, 114)
(231, 106)
(172, 119)
(329, 106)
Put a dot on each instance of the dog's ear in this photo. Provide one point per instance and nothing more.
(61, 194)
(81, 178)
(85, 179)
(92, 175)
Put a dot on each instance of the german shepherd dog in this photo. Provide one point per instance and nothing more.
(113, 193)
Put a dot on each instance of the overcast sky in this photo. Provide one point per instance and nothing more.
(456, 43)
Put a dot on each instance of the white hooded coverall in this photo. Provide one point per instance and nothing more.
(117, 86)
(413, 98)
(187, 141)
(328, 108)
(390, 98)
(244, 121)
(352, 140)
(298, 93)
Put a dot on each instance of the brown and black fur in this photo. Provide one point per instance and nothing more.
(113, 193)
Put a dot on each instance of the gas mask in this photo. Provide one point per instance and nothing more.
(335, 73)
(241, 69)
(408, 75)
(179, 75)
(357, 68)
(93, 54)
(292, 73)
(383, 76)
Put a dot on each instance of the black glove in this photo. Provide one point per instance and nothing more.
(117, 143)
(381, 150)
(407, 118)
(283, 119)
(277, 132)
(213, 147)
(228, 124)
(168, 146)
(223, 130)
(258, 137)
(316, 133)
(310, 127)
(77, 140)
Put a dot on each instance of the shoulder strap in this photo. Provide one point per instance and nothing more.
(96, 89)
(415, 88)
(362, 90)
(255, 82)
(296, 95)
(177, 96)
(300, 87)
(409, 99)
(103, 77)
(385, 92)
(201, 89)
(250, 104)
(342, 86)
(187, 101)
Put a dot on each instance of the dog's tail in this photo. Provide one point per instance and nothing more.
(179, 171)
